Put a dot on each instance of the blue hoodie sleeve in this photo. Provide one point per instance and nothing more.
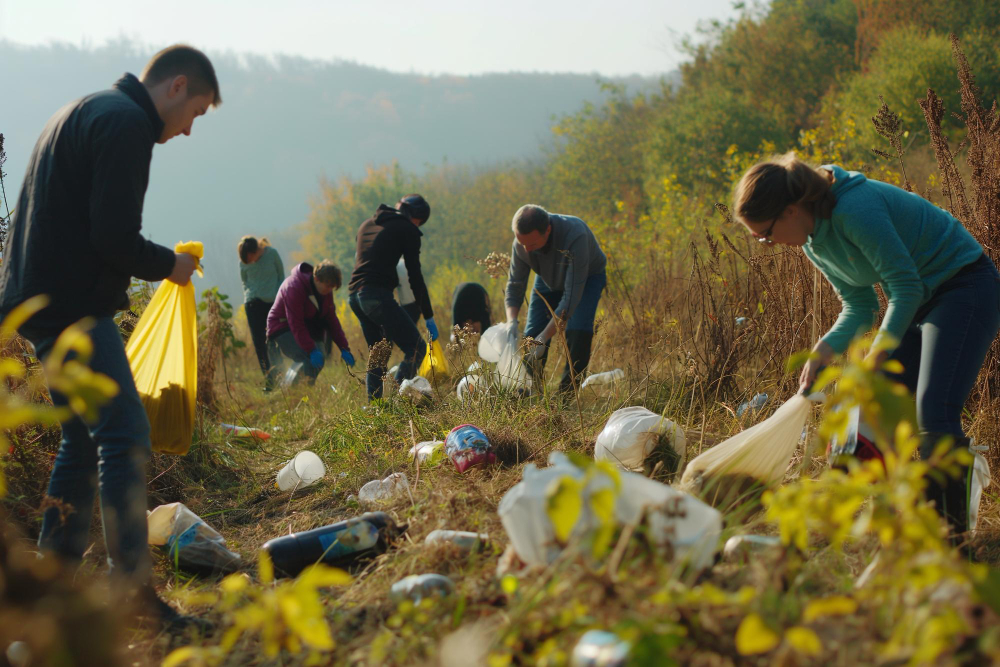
(859, 306)
(875, 235)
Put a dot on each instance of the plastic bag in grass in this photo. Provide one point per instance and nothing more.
(434, 362)
(756, 457)
(632, 433)
(190, 542)
(163, 354)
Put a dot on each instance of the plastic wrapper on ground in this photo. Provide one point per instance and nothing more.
(190, 542)
(681, 525)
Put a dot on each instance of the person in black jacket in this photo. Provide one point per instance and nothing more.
(75, 236)
(382, 239)
(470, 308)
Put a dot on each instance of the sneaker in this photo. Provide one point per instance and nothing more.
(155, 612)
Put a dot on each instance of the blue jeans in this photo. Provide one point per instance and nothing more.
(579, 328)
(943, 350)
(582, 318)
(382, 318)
(109, 455)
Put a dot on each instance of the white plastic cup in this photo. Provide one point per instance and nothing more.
(305, 469)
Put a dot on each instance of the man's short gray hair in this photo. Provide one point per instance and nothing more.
(530, 218)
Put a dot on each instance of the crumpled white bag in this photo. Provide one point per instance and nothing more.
(677, 519)
(630, 435)
(384, 489)
(417, 387)
(192, 542)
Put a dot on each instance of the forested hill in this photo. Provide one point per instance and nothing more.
(251, 165)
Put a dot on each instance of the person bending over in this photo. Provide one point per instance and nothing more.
(303, 317)
(569, 268)
(943, 291)
(75, 236)
(470, 308)
(261, 273)
(391, 233)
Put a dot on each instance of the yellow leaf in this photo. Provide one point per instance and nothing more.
(837, 605)
(265, 568)
(893, 366)
(603, 504)
(20, 315)
(234, 583)
(509, 584)
(322, 576)
(180, 656)
(804, 640)
(564, 503)
(753, 636)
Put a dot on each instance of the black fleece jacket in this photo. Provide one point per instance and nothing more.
(75, 233)
(382, 239)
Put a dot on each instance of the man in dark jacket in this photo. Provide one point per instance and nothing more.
(303, 315)
(75, 236)
(382, 239)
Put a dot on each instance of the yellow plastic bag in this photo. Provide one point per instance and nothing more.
(163, 354)
(434, 362)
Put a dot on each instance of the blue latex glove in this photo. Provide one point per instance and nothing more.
(432, 328)
(316, 358)
(347, 357)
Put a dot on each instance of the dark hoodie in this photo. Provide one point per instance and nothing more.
(300, 307)
(75, 231)
(382, 240)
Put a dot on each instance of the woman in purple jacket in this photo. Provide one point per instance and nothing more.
(303, 317)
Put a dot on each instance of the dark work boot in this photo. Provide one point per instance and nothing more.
(578, 343)
(950, 494)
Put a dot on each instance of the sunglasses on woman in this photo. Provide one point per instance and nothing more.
(765, 236)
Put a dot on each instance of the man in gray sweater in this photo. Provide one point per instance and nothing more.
(569, 278)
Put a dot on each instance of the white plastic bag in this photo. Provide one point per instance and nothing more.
(493, 342)
(418, 387)
(980, 480)
(631, 435)
(384, 489)
(470, 386)
(511, 371)
(189, 540)
(761, 452)
(429, 452)
(688, 525)
(599, 379)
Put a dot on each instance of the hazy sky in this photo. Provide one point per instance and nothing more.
(434, 36)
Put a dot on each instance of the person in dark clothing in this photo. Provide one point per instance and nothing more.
(569, 268)
(382, 239)
(303, 315)
(75, 236)
(470, 308)
(261, 273)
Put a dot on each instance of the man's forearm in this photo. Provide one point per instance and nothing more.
(512, 312)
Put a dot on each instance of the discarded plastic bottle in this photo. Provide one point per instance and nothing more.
(467, 446)
(416, 587)
(598, 648)
(608, 377)
(463, 539)
(754, 404)
(342, 544)
(741, 546)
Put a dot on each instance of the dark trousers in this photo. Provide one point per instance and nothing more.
(284, 344)
(579, 328)
(257, 311)
(108, 456)
(942, 353)
(413, 310)
(382, 318)
(943, 350)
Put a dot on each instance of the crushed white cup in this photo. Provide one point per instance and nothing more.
(305, 469)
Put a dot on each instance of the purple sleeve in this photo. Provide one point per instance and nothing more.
(339, 337)
(295, 314)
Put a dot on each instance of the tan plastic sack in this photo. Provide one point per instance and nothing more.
(760, 454)
(632, 433)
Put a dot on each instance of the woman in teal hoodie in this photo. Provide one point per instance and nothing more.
(261, 273)
(943, 291)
